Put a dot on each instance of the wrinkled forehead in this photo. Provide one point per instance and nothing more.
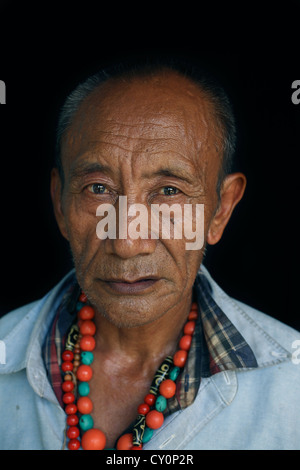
(145, 114)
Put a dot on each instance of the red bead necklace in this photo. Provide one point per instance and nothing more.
(76, 366)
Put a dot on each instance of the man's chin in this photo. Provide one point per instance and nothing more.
(131, 315)
(130, 306)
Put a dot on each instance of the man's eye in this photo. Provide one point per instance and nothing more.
(97, 188)
(169, 191)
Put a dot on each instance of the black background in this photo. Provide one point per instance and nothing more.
(45, 51)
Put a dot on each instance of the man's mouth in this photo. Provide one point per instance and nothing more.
(126, 286)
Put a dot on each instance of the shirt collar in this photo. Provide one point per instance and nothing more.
(217, 345)
(54, 341)
(224, 348)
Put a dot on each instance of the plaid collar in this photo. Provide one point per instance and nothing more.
(216, 346)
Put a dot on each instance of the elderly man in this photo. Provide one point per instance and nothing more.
(138, 348)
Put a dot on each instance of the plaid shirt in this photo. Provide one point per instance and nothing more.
(216, 345)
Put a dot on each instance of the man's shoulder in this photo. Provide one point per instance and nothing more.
(14, 317)
(280, 331)
(268, 337)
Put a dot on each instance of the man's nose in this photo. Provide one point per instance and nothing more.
(131, 240)
(129, 248)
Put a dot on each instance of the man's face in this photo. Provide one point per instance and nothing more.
(152, 141)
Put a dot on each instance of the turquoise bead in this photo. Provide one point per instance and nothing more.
(160, 403)
(86, 422)
(87, 357)
(79, 306)
(174, 372)
(83, 389)
(148, 433)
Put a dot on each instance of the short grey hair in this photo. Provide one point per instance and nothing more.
(224, 115)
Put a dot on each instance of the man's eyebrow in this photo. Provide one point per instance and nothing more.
(85, 169)
(171, 172)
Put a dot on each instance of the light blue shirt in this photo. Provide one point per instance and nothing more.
(256, 408)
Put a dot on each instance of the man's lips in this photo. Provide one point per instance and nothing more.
(125, 286)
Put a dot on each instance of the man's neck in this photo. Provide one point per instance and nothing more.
(145, 345)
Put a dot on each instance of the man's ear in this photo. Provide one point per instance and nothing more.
(56, 195)
(232, 191)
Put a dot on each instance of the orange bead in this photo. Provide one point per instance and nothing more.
(84, 405)
(73, 432)
(125, 442)
(67, 366)
(154, 419)
(67, 386)
(82, 297)
(143, 409)
(193, 315)
(71, 409)
(189, 327)
(68, 397)
(180, 358)
(93, 439)
(87, 343)
(84, 373)
(67, 356)
(185, 342)
(150, 399)
(73, 444)
(194, 306)
(86, 313)
(72, 420)
(167, 388)
(87, 327)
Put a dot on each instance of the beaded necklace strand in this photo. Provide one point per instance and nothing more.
(76, 367)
